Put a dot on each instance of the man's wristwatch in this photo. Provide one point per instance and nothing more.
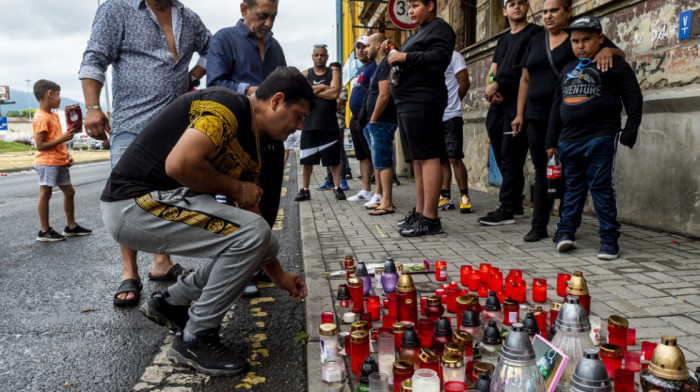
(194, 81)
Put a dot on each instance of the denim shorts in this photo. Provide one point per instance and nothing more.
(380, 137)
(118, 144)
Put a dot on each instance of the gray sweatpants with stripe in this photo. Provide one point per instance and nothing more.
(186, 223)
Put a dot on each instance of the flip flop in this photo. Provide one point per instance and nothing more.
(381, 211)
(372, 206)
(173, 273)
(128, 286)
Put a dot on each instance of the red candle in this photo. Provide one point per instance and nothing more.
(372, 302)
(501, 295)
(441, 270)
(349, 272)
(631, 337)
(539, 290)
(611, 355)
(440, 292)
(483, 290)
(357, 295)
(464, 271)
(624, 380)
(474, 280)
(463, 292)
(402, 370)
(511, 312)
(516, 273)
(391, 302)
(541, 318)
(520, 291)
(327, 318)
(423, 299)
(426, 327)
(648, 349)
(496, 281)
(348, 262)
(562, 283)
(452, 294)
(366, 317)
(633, 360)
(554, 308)
(360, 349)
(399, 329)
(617, 332)
(485, 271)
(388, 321)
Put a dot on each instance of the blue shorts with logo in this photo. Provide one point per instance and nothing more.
(380, 136)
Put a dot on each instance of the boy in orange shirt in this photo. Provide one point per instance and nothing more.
(52, 161)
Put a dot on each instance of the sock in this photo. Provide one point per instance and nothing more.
(445, 193)
(436, 220)
(464, 192)
(187, 336)
(305, 189)
(337, 188)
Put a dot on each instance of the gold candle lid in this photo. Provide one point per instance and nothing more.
(328, 330)
(452, 361)
(465, 300)
(483, 367)
(555, 306)
(454, 348)
(349, 258)
(399, 327)
(427, 355)
(399, 267)
(510, 303)
(359, 337)
(403, 367)
(610, 350)
(359, 325)
(405, 284)
(379, 270)
(406, 385)
(618, 321)
(463, 337)
(432, 300)
(538, 310)
(354, 282)
(577, 284)
(668, 361)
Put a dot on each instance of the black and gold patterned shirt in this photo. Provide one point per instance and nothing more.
(220, 113)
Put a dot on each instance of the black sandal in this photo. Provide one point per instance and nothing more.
(173, 273)
(128, 286)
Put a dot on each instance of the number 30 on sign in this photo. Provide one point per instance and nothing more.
(398, 13)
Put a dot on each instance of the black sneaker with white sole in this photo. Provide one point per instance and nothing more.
(338, 193)
(423, 226)
(409, 219)
(304, 194)
(158, 310)
(207, 354)
(76, 231)
(499, 217)
(50, 235)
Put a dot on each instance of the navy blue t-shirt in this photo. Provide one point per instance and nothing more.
(364, 75)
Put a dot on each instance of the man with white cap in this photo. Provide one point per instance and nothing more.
(358, 122)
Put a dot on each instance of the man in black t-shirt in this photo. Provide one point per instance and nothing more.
(501, 90)
(160, 199)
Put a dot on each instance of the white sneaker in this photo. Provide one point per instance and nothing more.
(376, 198)
(362, 195)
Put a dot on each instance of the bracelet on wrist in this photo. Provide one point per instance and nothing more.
(97, 107)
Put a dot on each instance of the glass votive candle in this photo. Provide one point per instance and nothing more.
(631, 337)
(647, 350)
(327, 318)
(520, 291)
(501, 295)
(453, 367)
(617, 331)
(425, 380)
(562, 283)
(373, 306)
(456, 386)
(402, 370)
(483, 291)
(392, 303)
(452, 294)
(423, 302)
(633, 360)
(595, 329)
(511, 311)
(611, 355)
(333, 370)
(378, 382)
(359, 340)
(554, 308)
(388, 321)
(539, 290)
(496, 281)
(540, 317)
(426, 327)
(464, 272)
(474, 280)
(624, 380)
(485, 272)
(398, 329)
(368, 318)
(356, 294)
(516, 273)
(441, 270)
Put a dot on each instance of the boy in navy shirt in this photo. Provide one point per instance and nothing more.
(584, 130)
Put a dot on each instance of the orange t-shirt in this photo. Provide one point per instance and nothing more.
(51, 125)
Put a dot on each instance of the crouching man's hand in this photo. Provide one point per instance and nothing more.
(291, 283)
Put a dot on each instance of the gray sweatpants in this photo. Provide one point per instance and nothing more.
(183, 222)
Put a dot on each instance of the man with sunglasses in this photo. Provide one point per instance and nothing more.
(240, 58)
(584, 128)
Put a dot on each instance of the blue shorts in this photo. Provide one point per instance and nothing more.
(118, 144)
(53, 175)
(380, 137)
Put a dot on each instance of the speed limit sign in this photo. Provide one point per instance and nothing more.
(398, 13)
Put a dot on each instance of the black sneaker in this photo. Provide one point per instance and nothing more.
(304, 194)
(424, 226)
(158, 310)
(409, 219)
(339, 194)
(396, 180)
(49, 235)
(535, 234)
(499, 217)
(555, 237)
(207, 354)
(76, 231)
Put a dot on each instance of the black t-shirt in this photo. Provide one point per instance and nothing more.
(590, 106)
(543, 80)
(389, 113)
(422, 81)
(508, 56)
(218, 112)
(322, 117)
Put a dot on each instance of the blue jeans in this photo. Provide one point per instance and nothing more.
(590, 165)
(119, 142)
(380, 136)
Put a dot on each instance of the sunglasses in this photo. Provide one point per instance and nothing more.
(320, 46)
(577, 73)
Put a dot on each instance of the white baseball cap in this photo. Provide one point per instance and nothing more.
(364, 40)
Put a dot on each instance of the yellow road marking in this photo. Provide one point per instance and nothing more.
(257, 312)
(287, 170)
(250, 380)
(380, 232)
(260, 300)
(257, 340)
(279, 220)
(265, 285)
(285, 178)
(260, 324)
(283, 193)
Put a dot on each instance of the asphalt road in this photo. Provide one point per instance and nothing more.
(60, 332)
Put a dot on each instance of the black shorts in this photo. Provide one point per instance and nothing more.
(320, 147)
(453, 132)
(359, 140)
(421, 135)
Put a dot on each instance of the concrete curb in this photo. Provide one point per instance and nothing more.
(19, 169)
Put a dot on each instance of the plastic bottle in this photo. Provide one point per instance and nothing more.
(395, 70)
(553, 176)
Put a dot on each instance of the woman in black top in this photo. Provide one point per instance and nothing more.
(537, 84)
(421, 98)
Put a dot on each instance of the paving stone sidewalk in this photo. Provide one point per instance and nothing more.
(654, 284)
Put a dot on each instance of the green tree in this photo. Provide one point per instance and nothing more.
(13, 113)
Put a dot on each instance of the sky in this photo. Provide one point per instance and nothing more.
(45, 39)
